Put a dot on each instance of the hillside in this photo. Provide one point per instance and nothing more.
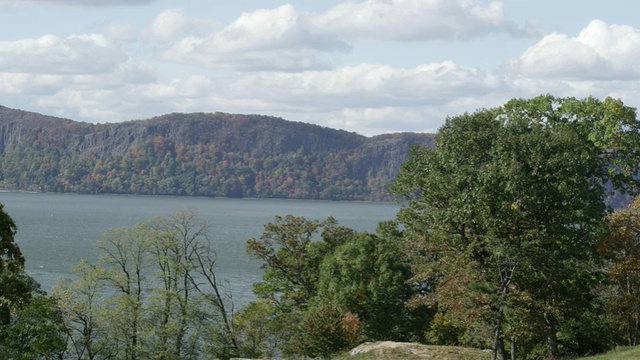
(198, 154)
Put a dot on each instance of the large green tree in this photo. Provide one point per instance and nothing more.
(31, 324)
(14, 288)
(503, 217)
(327, 286)
(291, 249)
(291, 258)
(367, 277)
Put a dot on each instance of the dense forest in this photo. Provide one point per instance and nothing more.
(198, 155)
(505, 242)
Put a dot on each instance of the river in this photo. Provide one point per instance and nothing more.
(56, 230)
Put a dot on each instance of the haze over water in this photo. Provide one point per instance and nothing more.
(56, 230)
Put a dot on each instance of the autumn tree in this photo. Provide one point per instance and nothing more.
(622, 250)
(507, 210)
(328, 330)
(257, 330)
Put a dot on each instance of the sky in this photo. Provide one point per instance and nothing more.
(367, 66)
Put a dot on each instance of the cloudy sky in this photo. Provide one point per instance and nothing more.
(369, 66)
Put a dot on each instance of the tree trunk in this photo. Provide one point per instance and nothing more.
(634, 337)
(552, 339)
(497, 352)
(513, 349)
(206, 268)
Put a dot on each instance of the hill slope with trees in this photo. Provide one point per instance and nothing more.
(198, 154)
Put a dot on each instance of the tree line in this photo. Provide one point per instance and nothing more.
(506, 241)
(160, 167)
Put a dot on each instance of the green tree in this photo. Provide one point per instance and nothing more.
(316, 273)
(186, 261)
(292, 250)
(328, 330)
(31, 325)
(507, 210)
(14, 285)
(152, 294)
(290, 260)
(367, 277)
(81, 299)
(124, 265)
(37, 331)
(256, 328)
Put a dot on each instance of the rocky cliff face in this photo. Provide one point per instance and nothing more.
(242, 133)
(383, 154)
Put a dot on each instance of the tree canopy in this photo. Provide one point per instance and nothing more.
(31, 324)
(508, 209)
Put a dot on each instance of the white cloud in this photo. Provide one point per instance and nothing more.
(29, 84)
(51, 54)
(411, 20)
(284, 39)
(359, 98)
(171, 24)
(168, 24)
(367, 85)
(275, 39)
(48, 86)
(118, 31)
(103, 77)
(599, 52)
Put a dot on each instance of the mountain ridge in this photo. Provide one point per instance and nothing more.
(254, 155)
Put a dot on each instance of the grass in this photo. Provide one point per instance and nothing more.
(618, 354)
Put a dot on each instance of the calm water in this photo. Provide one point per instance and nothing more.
(55, 231)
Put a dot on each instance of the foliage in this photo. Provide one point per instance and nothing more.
(367, 277)
(289, 261)
(622, 250)
(327, 331)
(198, 155)
(256, 328)
(14, 284)
(37, 331)
(152, 294)
(31, 325)
(311, 281)
(505, 195)
(83, 313)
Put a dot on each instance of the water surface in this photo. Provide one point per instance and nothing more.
(56, 230)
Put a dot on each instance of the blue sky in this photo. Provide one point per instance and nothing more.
(368, 66)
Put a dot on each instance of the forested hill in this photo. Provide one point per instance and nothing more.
(198, 154)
